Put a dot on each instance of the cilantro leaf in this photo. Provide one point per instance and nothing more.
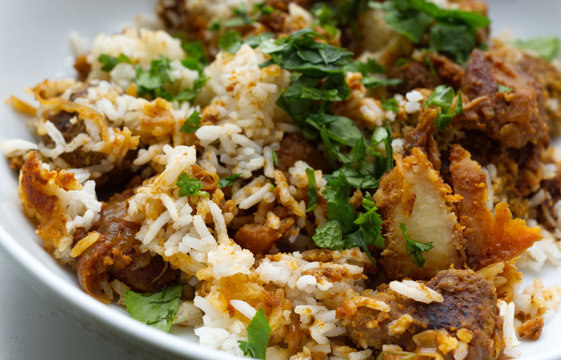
(384, 161)
(109, 62)
(546, 47)
(192, 123)
(450, 31)
(504, 89)
(241, 18)
(150, 82)
(228, 180)
(390, 104)
(190, 186)
(339, 208)
(370, 66)
(329, 236)
(156, 309)
(258, 333)
(442, 97)
(312, 190)
(415, 249)
(372, 81)
(275, 158)
(230, 41)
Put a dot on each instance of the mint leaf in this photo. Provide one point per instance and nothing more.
(156, 309)
(228, 180)
(190, 186)
(258, 333)
(415, 249)
(312, 190)
(329, 236)
(192, 123)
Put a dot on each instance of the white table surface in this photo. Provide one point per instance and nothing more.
(33, 328)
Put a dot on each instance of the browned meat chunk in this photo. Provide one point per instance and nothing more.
(258, 238)
(117, 255)
(512, 117)
(294, 147)
(469, 306)
(489, 238)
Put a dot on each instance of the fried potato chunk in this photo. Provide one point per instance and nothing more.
(415, 195)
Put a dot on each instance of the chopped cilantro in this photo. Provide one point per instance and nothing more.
(258, 333)
(228, 180)
(241, 18)
(192, 123)
(443, 96)
(155, 309)
(450, 31)
(150, 83)
(372, 81)
(370, 66)
(415, 249)
(504, 89)
(390, 104)
(325, 17)
(275, 158)
(109, 62)
(190, 186)
(312, 190)
(384, 161)
(546, 47)
(230, 41)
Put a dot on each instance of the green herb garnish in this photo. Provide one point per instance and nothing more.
(442, 96)
(546, 47)
(504, 89)
(450, 31)
(312, 190)
(415, 249)
(156, 309)
(190, 186)
(109, 62)
(192, 123)
(230, 41)
(258, 333)
(275, 158)
(228, 180)
(390, 104)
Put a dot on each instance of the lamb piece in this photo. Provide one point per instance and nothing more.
(294, 147)
(512, 117)
(422, 137)
(117, 255)
(469, 306)
(489, 238)
(416, 75)
(414, 194)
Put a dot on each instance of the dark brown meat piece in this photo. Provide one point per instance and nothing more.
(117, 255)
(257, 238)
(469, 303)
(294, 147)
(83, 67)
(513, 118)
(436, 71)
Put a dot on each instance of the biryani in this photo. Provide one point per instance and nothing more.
(306, 180)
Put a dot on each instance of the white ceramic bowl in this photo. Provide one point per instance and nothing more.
(34, 41)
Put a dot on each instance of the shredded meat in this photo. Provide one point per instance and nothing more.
(489, 238)
(422, 137)
(513, 118)
(469, 303)
(294, 147)
(117, 255)
(415, 195)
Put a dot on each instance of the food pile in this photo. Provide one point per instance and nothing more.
(307, 180)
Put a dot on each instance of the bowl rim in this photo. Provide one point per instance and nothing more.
(42, 276)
